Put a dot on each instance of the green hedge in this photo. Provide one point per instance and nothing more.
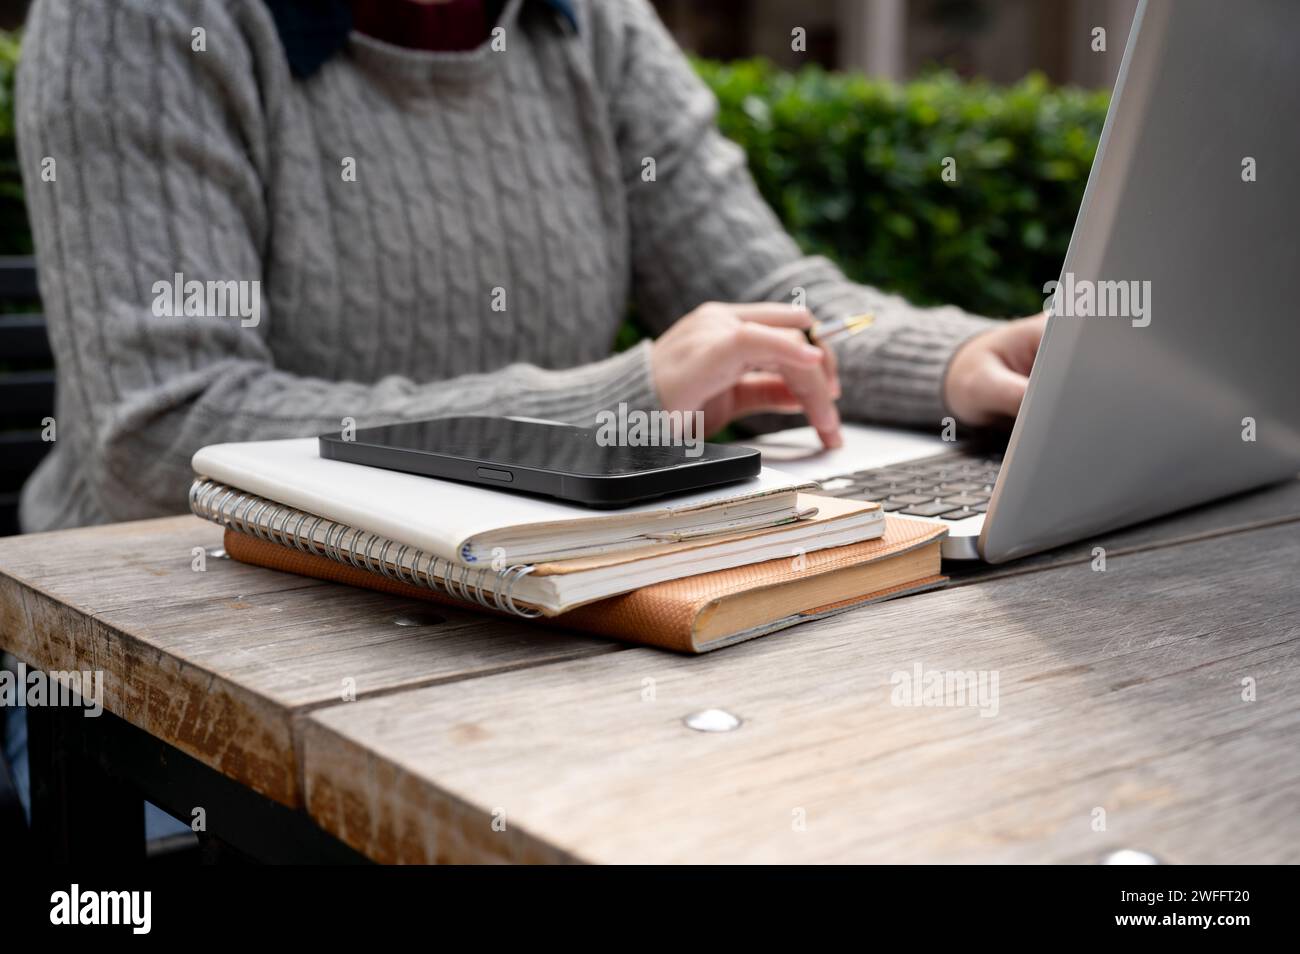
(853, 167)
(15, 236)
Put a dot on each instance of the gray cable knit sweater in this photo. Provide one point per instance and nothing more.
(479, 260)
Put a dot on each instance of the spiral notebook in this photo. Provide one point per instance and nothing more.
(546, 588)
(478, 526)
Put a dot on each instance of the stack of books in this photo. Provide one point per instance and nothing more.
(690, 573)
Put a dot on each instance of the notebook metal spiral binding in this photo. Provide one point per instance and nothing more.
(258, 517)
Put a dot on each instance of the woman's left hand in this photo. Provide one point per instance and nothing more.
(988, 375)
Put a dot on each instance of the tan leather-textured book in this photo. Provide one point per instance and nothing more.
(699, 613)
(552, 587)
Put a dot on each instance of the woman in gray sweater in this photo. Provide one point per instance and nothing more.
(255, 219)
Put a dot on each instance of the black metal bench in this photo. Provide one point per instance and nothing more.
(26, 398)
(26, 383)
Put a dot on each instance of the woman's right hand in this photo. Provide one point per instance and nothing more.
(732, 360)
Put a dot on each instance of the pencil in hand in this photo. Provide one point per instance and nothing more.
(824, 332)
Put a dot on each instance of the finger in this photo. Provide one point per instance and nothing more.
(729, 356)
(1034, 330)
(1023, 338)
(756, 345)
(764, 393)
(813, 389)
(831, 365)
(775, 314)
(1002, 390)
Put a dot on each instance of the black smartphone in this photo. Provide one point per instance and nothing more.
(591, 466)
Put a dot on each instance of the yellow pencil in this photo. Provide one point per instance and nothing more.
(823, 332)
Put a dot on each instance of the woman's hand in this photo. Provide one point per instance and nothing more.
(987, 377)
(730, 361)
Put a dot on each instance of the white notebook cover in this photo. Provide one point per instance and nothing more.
(463, 522)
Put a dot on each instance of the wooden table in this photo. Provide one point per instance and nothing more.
(309, 720)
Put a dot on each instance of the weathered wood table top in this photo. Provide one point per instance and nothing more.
(222, 663)
(1121, 716)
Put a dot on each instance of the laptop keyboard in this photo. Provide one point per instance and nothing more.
(951, 486)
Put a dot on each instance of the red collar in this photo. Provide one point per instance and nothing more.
(445, 25)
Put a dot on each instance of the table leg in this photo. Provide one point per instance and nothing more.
(81, 810)
(90, 778)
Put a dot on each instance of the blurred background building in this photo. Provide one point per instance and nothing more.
(1000, 40)
(997, 39)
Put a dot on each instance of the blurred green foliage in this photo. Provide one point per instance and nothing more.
(15, 237)
(853, 168)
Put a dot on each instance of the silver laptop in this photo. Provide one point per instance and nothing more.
(1193, 202)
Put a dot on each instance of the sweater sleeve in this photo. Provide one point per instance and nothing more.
(161, 159)
(701, 230)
